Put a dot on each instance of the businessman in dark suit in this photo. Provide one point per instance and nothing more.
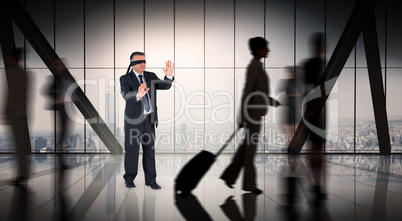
(138, 88)
(254, 106)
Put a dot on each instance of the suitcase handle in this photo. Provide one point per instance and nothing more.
(227, 142)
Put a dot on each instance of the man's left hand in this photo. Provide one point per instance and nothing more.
(169, 68)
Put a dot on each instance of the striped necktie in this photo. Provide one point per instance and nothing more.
(146, 95)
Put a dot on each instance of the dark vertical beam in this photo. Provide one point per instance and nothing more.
(49, 56)
(379, 210)
(376, 83)
(361, 16)
(6, 37)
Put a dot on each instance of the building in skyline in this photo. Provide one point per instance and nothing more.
(40, 143)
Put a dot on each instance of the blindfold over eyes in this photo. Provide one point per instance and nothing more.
(132, 63)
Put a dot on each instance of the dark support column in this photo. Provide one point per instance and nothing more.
(379, 210)
(49, 56)
(334, 67)
(376, 84)
(6, 37)
(362, 19)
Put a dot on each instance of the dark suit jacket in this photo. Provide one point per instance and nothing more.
(134, 111)
(256, 92)
(57, 88)
(18, 88)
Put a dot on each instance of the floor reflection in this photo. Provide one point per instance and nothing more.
(20, 205)
(358, 187)
(380, 194)
(190, 208)
(232, 211)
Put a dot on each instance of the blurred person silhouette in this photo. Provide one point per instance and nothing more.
(289, 91)
(21, 205)
(16, 114)
(232, 211)
(254, 105)
(313, 70)
(138, 88)
(319, 213)
(290, 182)
(57, 92)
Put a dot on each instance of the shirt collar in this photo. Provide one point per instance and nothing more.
(136, 74)
(261, 64)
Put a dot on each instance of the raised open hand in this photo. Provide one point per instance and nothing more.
(142, 90)
(168, 70)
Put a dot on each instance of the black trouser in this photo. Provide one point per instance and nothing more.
(20, 129)
(244, 158)
(63, 122)
(144, 134)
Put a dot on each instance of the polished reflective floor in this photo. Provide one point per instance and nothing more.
(357, 187)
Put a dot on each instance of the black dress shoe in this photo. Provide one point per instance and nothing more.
(154, 186)
(257, 191)
(319, 195)
(130, 184)
(228, 184)
(19, 182)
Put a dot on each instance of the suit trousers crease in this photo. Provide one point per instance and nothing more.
(143, 134)
(244, 157)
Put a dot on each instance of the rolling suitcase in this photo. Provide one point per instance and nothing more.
(191, 173)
